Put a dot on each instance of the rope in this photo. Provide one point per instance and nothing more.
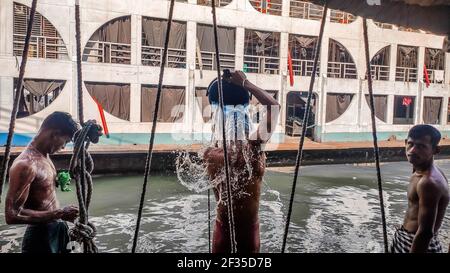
(209, 220)
(81, 167)
(18, 95)
(79, 71)
(225, 152)
(374, 134)
(148, 161)
(305, 121)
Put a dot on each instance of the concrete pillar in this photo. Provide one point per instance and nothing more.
(135, 103)
(136, 39)
(447, 68)
(191, 43)
(444, 111)
(284, 43)
(6, 28)
(6, 100)
(390, 109)
(418, 116)
(420, 63)
(286, 5)
(393, 62)
(239, 50)
(360, 96)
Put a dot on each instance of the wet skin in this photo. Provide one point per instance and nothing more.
(31, 197)
(246, 205)
(428, 193)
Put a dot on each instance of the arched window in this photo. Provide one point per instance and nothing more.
(379, 64)
(272, 7)
(113, 97)
(45, 40)
(219, 3)
(340, 62)
(37, 95)
(111, 43)
(337, 104)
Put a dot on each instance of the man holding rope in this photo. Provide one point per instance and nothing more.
(31, 198)
(247, 160)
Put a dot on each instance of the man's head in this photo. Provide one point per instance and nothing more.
(422, 144)
(57, 130)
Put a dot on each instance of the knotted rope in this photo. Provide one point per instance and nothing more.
(81, 167)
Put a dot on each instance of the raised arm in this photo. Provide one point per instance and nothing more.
(21, 177)
(269, 120)
(429, 195)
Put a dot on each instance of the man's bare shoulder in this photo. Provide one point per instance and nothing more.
(23, 165)
(430, 186)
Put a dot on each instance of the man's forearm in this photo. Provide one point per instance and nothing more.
(263, 97)
(28, 216)
(420, 243)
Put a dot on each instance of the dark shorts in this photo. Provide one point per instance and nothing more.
(46, 238)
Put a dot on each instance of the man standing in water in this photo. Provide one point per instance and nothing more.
(247, 161)
(31, 198)
(428, 195)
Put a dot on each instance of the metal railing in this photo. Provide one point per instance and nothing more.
(384, 25)
(342, 70)
(406, 74)
(107, 52)
(304, 67)
(176, 57)
(337, 16)
(227, 60)
(261, 64)
(219, 3)
(432, 76)
(380, 72)
(272, 7)
(40, 47)
(305, 10)
(408, 29)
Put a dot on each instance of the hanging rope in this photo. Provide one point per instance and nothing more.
(81, 167)
(17, 96)
(79, 71)
(81, 164)
(374, 135)
(304, 127)
(209, 220)
(148, 161)
(225, 152)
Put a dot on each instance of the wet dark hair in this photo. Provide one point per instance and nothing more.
(62, 122)
(421, 130)
(232, 94)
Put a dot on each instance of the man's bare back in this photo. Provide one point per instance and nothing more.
(245, 197)
(435, 182)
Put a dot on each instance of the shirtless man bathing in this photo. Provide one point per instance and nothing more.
(247, 161)
(428, 195)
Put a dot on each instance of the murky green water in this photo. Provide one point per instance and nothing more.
(336, 210)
